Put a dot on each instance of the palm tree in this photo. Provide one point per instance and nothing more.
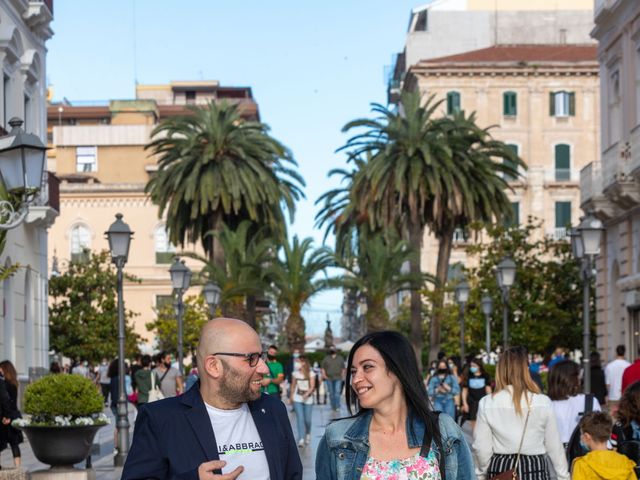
(377, 272)
(413, 177)
(215, 168)
(243, 275)
(294, 276)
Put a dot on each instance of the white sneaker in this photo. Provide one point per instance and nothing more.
(307, 439)
(301, 443)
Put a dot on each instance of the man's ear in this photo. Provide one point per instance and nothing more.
(213, 366)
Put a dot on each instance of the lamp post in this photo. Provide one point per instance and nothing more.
(506, 274)
(211, 292)
(462, 297)
(180, 280)
(585, 245)
(21, 166)
(119, 236)
(487, 309)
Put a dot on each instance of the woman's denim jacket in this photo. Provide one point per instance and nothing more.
(434, 383)
(343, 450)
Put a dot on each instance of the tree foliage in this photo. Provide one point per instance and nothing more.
(165, 326)
(83, 317)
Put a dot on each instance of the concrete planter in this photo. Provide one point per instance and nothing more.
(61, 446)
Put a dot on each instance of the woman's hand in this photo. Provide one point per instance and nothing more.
(465, 408)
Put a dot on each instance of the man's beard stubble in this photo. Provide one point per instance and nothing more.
(235, 388)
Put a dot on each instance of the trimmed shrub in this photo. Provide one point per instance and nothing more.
(62, 395)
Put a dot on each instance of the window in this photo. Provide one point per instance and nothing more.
(563, 162)
(80, 243)
(514, 220)
(86, 160)
(453, 103)
(562, 104)
(508, 163)
(162, 301)
(190, 96)
(164, 250)
(615, 111)
(509, 104)
(421, 21)
(563, 220)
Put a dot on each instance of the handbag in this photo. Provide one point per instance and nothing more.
(155, 393)
(512, 474)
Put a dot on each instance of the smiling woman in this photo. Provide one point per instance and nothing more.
(393, 431)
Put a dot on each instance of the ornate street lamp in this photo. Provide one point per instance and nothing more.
(487, 309)
(180, 280)
(462, 297)
(22, 157)
(119, 236)
(212, 292)
(585, 245)
(506, 275)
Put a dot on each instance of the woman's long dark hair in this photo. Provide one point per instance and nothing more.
(399, 358)
(629, 407)
(564, 380)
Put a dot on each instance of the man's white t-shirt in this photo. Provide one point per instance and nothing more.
(239, 443)
(568, 413)
(613, 377)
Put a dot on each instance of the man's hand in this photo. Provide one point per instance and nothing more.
(6, 421)
(205, 471)
(265, 381)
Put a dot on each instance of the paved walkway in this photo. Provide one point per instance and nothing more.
(103, 462)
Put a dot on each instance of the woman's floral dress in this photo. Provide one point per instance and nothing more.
(412, 468)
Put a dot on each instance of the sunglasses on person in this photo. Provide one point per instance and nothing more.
(252, 358)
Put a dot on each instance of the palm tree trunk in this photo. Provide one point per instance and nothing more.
(415, 240)
(377, 316)
(445, 244)
(234, 308)
(251, 311)
(295, 331)
(216, 255)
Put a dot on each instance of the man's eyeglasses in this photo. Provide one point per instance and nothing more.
(252, 358)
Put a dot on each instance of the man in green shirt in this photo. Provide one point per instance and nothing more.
(271, 383)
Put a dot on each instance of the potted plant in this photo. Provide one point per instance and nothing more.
(62, 415)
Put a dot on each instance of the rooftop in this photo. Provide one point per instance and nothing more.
(523, 54)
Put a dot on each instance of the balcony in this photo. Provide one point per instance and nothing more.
(558, 234)
(592, 198)
(561, 177)
(73, 135)
(619, 185)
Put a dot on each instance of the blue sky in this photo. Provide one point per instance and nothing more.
(312, 65)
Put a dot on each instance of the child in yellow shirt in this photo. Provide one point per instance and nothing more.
(600, 463)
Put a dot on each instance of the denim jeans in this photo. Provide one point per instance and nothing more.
(445, 405)
(334, 387)
(303, 418)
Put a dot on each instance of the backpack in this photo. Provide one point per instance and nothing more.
(630, 447)
(574, 450)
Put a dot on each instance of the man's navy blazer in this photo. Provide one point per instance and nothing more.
(172, 437)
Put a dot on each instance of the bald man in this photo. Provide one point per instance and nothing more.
(222, 428)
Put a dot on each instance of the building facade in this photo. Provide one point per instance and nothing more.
(98, 154)
(24, 334)
(544, 103)
(476, 24)
(610, 185)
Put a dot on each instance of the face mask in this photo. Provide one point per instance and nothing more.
(473, 369)
(271, 358)
(583, 446)
(451, 365)
(442, 371)
(296, 355)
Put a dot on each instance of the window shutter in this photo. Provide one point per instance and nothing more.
(453, 103)
(552, 104)
(509, 101)
(509, 163)
(563, 214)
(449, 103)
(563, 162)
(572, 104)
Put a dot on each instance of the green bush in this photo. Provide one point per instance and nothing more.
(62, 395)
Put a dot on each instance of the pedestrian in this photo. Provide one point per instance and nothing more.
(443, 389)
(81, 368)
(225, 426)
(13, 435)
(302, 389)
(333, 373)
(103, 379)
(143, 380)
(55, 368)
(393, 432)
(516, 424)
(613, 378)
(558, 356)
(600, 463)
(625, 436)
(192, 378)
(167, 377)
(271, 382)
(567, 398)
(598, 384)
(475, 385)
